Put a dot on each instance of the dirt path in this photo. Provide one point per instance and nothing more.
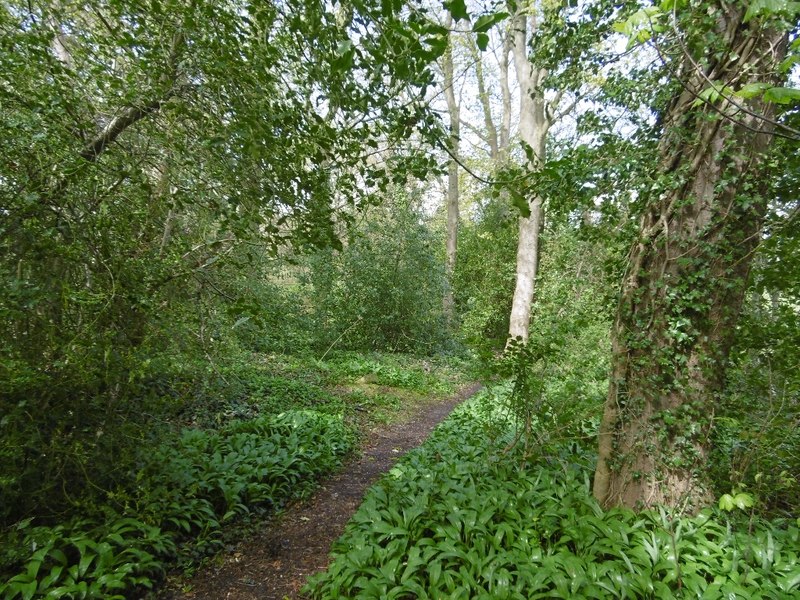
(276, 563)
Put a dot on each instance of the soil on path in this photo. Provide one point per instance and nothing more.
(275, 563)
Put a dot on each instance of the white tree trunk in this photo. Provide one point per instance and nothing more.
(505, 94)
(533, 127)
(453, 110)
(486, 104)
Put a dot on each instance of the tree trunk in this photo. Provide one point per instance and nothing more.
(505, 94)
(686, 277)
(533, 128)
(486, 105)
(452, 177)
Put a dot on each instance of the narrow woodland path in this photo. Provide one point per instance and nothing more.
(276, 563)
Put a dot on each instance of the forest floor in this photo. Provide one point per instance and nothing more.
(274, 563)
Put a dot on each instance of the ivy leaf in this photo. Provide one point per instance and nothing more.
(457, 8)
(519, 201)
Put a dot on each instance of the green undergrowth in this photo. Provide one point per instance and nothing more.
(398, 371)
(188, 492)
(465, 517)
(389, 388)
(240, 443)
(348, 383)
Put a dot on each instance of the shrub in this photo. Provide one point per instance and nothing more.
(383, 290)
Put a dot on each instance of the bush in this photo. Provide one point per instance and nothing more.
(757, 438)
(483, 281)
(383, 290)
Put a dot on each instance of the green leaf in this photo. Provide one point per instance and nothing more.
(520, 202)
(711, 94)
(782, 95)
(344, 46)
(751, 90)
(28, 589)
(437, 43)
(482, 41)
(640, 25)
(758, 8)
(790, 581)
(485, 22)
(49, 579)
(457, 8)
(743, 500)
(789, 62)
(726, 502)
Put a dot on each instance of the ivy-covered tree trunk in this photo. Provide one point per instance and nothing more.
(687, 272)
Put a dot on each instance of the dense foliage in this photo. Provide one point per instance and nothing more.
(249, 447)
(466, 516)
(216, 217)
(160, 154)
(190, 489)
(757, 427)
(484, 276)
(383, 290)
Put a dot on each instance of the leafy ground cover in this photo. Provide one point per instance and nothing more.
(465, 516)
(276, 562)
(252, 438)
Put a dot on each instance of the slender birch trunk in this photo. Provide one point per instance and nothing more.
(453, 110)
(534, 125)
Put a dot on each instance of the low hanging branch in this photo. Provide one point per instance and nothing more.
(120, 123)
(133, 114)
(92, 151)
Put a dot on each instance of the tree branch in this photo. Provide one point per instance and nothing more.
(484, 138)
(567, 109)
(120, 123)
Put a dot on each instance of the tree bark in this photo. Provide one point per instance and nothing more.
(505, 94)
(486, 105)
(686, 276)
(533, 128)
(453, 110)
